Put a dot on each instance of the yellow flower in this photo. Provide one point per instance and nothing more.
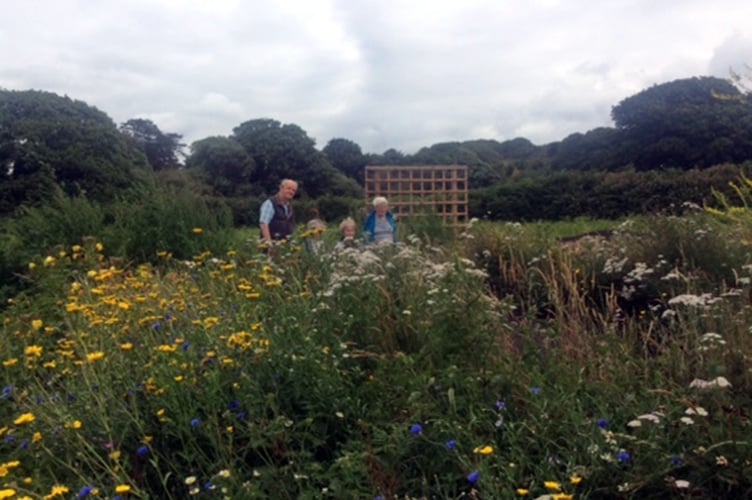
(37, 324)
(552, 485)
(483, 450)
(99, 247)
(49, 261)
(26, 418)
(10, 362)
(115, 455)
(7, 493)
(575, 480)
(197, 230)
(76, 424)
(32, 266)
(94, 356)
(57, 491)
(122, 488)
(522, 491)
(126, 346)
(33, 351)
(562, 496)
(36, 437)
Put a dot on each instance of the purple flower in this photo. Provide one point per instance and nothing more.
(451, 444)
(602, 423)
(185, 345)
(195, 422)
(623, 456)
(473, 477)
(676, 460)
(85, 491)
(142, 450)
(535, 390)
(416, 429)
(501, 405)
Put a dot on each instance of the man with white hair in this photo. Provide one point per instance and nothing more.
(380, 225)
(276, 217)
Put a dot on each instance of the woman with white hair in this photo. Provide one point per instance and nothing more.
(380, 225)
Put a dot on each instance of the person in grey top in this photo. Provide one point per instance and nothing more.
(380, 225)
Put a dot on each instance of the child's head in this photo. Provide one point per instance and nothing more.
(347, 228)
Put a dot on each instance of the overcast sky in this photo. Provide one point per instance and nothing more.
(384, 73)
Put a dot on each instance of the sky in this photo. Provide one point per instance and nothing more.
(400, 74)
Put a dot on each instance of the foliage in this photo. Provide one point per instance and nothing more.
(285, 151)
(49, 142)
(602, 194)
(388, 371)
(224, 163)
(347, 157)
(683, 124)
(162, 151)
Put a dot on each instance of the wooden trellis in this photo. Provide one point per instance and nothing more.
(440, 190)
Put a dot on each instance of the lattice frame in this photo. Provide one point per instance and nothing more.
(440, 190)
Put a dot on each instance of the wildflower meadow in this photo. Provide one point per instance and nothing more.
(506, 361)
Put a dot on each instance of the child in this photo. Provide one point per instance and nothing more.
(347, 230)
(315, 227)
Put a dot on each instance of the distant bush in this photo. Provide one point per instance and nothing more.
(612, 195)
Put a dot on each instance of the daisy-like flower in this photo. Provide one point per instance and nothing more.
(552, 485)
(122, 488)
(25, 418)
(483, 450)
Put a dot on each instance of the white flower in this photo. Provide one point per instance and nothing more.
(634, 423)
(681, 483)
(706, 385)
(697, 410)
(687, 420)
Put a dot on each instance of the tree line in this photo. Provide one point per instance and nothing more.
(52, 145)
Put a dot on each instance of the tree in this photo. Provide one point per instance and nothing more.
(163, 151)
(676, 123)
(224, 162)
(48, 142)
(285, 151)
(347, 157)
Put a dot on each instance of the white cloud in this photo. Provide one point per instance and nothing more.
(383, 73)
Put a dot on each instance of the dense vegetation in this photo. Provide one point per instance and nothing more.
(501, 364)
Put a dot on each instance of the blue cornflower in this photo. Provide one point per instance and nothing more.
(451, 444)
(501, 405)
(233, 405)
(24, 444)
(602, 423)
(195, 422)
(473, 477)
(8, 392)
(676, 460)
(85, 491)
(241, 415)
(208, 486)
(142, 450)
(156, 326)
(535, 390)
(185, 345)
(623, 456)
(416, 429)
